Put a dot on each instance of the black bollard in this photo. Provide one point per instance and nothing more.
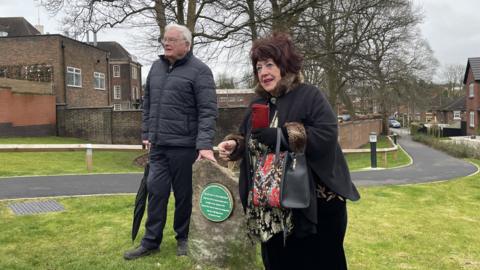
(395, 138)
(373, 149)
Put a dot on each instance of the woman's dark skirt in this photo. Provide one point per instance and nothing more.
(323, 250)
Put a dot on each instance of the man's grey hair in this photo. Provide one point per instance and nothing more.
(187, 35)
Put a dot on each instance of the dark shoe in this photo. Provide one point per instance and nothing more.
(182, 247)
(140, 251)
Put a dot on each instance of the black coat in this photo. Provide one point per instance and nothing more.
(180, 104)
(306, 104)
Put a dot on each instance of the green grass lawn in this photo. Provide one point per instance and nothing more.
(425, 226)
(55, 163)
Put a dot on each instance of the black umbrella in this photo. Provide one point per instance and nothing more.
(140, 203)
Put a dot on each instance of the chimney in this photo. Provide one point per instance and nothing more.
(88, 37)
(94, 38)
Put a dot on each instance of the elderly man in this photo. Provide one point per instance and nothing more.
(179, 115)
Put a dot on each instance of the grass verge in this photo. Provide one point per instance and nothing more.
(59, 163)
(425, 226)
(359, 161)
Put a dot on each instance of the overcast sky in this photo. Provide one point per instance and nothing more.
(450, 26)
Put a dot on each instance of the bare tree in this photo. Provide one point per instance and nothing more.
(453, 79)
(394, 53)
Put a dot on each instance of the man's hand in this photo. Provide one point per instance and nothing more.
(207, 154)
(226, 148)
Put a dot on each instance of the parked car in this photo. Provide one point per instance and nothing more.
(394, 123)
(344, 117)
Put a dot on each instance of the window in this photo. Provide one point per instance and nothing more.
(471, 88)
(134, 72)
(117, 92)
(456, 115)
(116, 70)
(74, 77)
(117, 107)
(99, 80)
(472, 119)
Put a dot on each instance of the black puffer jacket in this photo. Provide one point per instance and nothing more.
(180, 104)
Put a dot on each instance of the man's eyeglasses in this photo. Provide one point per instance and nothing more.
(171, 40)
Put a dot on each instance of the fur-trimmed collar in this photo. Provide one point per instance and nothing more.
(285, 85)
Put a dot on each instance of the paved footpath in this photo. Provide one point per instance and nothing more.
(428, 165)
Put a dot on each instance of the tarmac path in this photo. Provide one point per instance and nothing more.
(428, 165)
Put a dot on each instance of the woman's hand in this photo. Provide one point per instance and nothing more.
(226, 148)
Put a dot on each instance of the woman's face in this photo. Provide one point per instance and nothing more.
(268, 74)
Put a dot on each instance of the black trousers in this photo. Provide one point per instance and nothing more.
(170, 167)
(323, 250)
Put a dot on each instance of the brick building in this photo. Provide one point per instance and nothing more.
(471, 81)
(125, 77)
(79, 70)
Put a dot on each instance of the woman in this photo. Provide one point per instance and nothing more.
(314, 235)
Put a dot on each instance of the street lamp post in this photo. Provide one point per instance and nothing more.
(373, 149)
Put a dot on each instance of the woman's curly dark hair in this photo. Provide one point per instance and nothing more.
(279, 47)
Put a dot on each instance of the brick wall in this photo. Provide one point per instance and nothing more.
(93, 124)
(19, 114)
(126, 127)
(103, 125)
(353, 134)
(32, 87)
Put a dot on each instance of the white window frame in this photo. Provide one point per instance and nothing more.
(73, 71)
(134, 72)
(457, 115)
(117, 92)
(471, 90)
(117, 107)
(99, 78)
(472, 119)
(116, 71)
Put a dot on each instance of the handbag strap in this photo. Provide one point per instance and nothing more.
(277, 146)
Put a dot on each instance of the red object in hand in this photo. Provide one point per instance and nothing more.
(260, 117)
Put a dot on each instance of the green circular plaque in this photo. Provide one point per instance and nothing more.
(216, 203)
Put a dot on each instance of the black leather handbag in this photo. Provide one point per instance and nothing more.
(281, 178)
(295, 184)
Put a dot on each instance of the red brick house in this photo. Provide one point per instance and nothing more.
(471, 81)
(453, 112)
(125, 76)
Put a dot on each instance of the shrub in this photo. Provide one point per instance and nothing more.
(450, 147)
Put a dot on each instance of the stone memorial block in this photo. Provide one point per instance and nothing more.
(218, 234)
